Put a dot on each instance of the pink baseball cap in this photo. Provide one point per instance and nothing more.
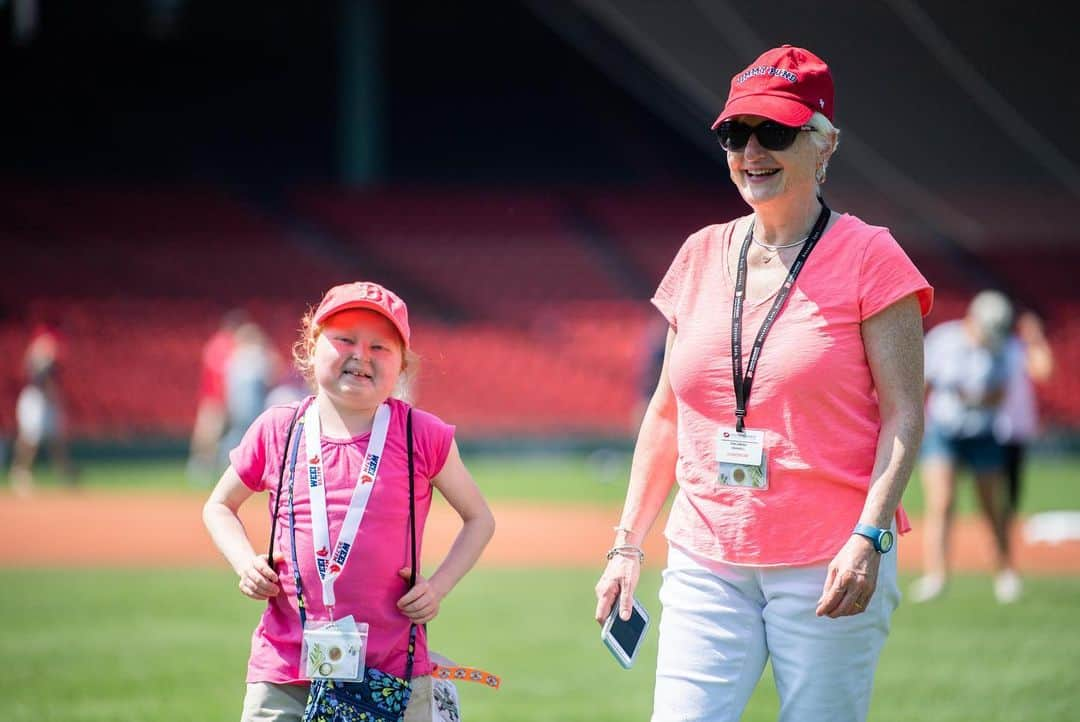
(369, 295)
(785, 84)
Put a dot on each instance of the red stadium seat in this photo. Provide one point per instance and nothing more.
(525, 325)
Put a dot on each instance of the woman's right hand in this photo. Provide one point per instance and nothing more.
(258, 580)
(617, 584)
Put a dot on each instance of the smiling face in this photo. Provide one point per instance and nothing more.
(771, 177)
(357, 359)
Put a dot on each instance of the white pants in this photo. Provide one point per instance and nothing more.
(36, 415)
(720, 623)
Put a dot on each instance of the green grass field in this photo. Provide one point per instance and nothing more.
(85, 645)
(139, 646)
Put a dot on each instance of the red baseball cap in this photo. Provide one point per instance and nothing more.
(369, 295)
(785, 84)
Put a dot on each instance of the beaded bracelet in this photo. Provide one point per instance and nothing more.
(624, 550)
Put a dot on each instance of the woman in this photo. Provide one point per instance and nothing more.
(780, 534)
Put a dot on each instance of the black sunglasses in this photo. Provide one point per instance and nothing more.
(734, 136)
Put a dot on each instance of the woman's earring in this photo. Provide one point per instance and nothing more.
(819, 176)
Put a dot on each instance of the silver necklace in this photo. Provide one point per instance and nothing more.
(775, 249)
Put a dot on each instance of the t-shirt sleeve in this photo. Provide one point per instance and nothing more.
(672, 285)
(259, 445)
(888, 275)
(433, 438)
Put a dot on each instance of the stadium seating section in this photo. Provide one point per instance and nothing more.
(530, 306)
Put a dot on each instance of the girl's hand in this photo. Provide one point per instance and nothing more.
(258, 580)
(421, 603)
(617, 585)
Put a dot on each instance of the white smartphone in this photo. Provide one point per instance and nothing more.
(624, 638)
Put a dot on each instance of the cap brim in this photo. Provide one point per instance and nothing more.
(781, 109)
(321, 317)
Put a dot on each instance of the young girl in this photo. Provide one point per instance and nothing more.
(354, 350)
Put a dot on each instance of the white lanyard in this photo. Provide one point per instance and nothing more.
(330, 565)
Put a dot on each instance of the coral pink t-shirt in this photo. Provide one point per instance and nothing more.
(369, 585)
(812, 394)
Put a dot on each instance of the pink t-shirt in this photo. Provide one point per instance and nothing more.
(812, 394)
(369, 585)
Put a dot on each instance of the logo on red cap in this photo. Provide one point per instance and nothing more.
(766, 70)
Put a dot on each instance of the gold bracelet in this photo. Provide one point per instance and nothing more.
(624, 550)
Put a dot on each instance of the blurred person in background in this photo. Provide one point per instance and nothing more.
(780, 535)
(40, 412)
(1029, 362)
(250, 370)
(967, 374)
(211, 416)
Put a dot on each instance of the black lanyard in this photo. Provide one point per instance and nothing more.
(743, 384)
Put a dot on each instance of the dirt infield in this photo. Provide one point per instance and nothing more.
(133, 528)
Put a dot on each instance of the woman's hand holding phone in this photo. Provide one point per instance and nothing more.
(616, 586)
(623, 637)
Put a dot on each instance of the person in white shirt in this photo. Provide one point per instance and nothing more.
(967, 373)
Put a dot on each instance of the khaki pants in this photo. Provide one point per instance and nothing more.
(269, 702)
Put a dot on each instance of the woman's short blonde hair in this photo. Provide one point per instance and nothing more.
(826, 138)
(303, 353)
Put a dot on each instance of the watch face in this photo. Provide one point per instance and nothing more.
(885, 541)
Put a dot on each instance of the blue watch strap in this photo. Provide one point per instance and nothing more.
(881, 538)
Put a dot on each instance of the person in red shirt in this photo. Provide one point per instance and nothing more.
(210, 413)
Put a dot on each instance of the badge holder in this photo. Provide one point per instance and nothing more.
(334, 650)
(741, 459)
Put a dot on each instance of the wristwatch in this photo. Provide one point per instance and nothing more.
(882, 538)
